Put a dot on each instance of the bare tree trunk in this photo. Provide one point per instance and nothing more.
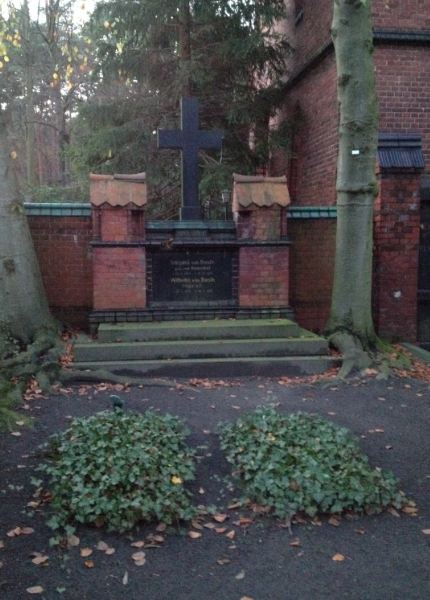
(185, 46)
(23, 305)
(350, 325)
(29, 100)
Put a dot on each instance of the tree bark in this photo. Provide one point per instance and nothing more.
(29, 100)
(350, 324)
(185, 45)
(23, 305)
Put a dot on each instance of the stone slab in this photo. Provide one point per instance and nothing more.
(189, 330)
(222, 367)
(195, 349)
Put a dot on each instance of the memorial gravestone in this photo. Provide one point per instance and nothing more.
(190, 268)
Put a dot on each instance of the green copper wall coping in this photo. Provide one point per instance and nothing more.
(312, 212)
(57, 209)
(184, 225)
(83, 209)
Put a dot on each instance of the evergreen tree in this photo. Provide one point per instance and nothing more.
(150, 53)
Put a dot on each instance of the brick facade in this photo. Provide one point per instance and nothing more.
(263, 277)
(402, 63)
(119, 278)
(63, 248)
(397, 233)
(312, 268)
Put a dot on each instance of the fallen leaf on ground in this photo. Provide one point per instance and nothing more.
(338, 557)
(40, 559)
(220, 529)
(138, 544)
(246, 598)
(36, 589)
(234, 505)
(240, 575)
(14, 532)
(299, 519)
(15, 433)
(140, 563)
(426, 531)
(139, 558)
(223, 561)
(27, 530)
(360, 531)
(220, 518)
(410, 510)
(295, 543)
(194, 535)
(89, 564)
(161, 527)
(102, 546)
(86, 552)
(125, 578)
(138, 555)
(231, 535)
(110, 551)
(243, 522)
(334, 522)
(155, 538)
(209, 525)
(1, 545)
(73, 540)
(195, 524)
(393, 512)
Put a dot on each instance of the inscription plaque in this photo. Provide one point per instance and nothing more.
(192, 276)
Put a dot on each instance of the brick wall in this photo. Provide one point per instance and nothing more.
(119, 278)
(263, 277)
(401, 14)
(312, 105)
(312, 267)
(63, 248)
(397, 233)
(261, 223)
(403, 81)
(313, 31)
(403, 85)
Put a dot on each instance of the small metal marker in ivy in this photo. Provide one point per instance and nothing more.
(118, 403)
(189, 140)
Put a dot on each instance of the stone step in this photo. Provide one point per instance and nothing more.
(196, 349)
(192, 330)
(219, 367)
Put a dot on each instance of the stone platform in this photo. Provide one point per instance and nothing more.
(215, 348)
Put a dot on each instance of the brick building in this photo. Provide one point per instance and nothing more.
(402, 63)
(401, 271)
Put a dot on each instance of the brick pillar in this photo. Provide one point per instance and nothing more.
(119, 263)
(397, 232)
(259, 205)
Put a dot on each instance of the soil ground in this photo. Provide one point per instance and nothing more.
(387, 557)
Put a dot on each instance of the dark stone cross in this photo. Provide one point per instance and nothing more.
(190, 139)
